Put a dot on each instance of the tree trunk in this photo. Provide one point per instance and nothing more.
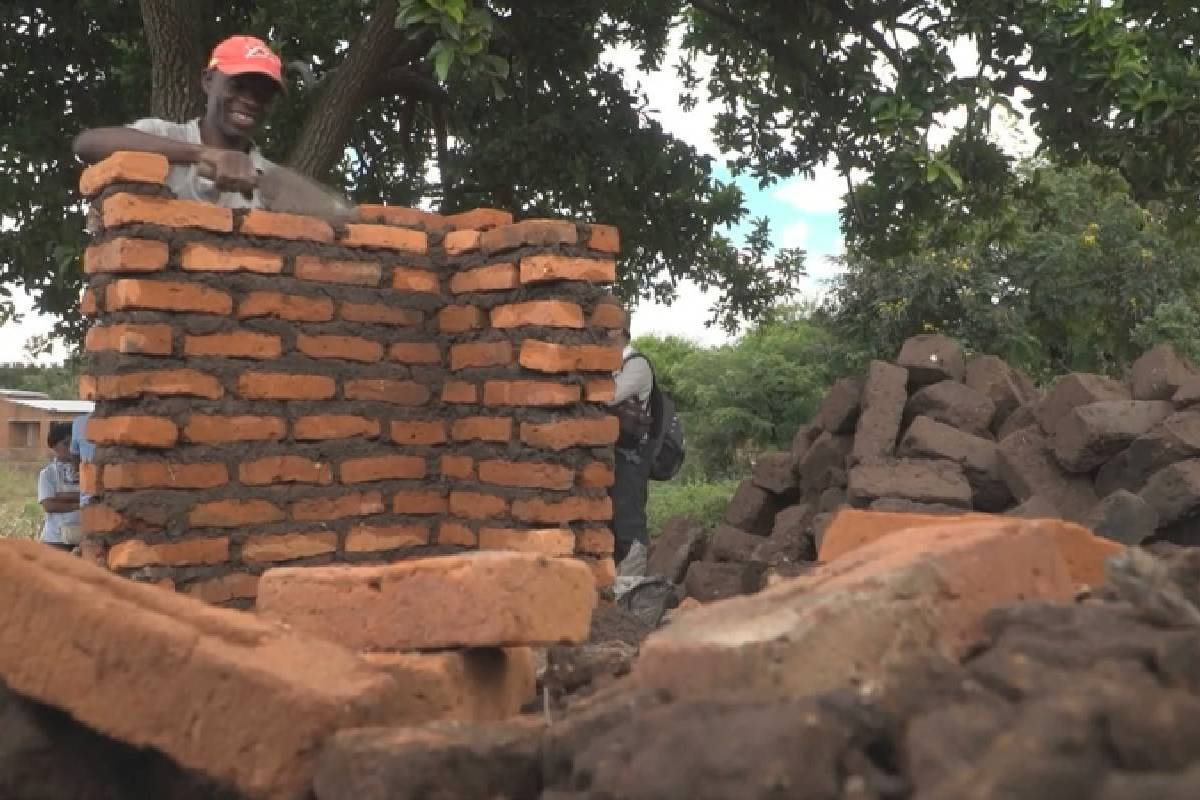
(348, 89)
(173, 32)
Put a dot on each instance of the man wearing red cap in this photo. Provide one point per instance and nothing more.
(213, 158)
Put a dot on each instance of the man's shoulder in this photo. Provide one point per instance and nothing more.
(180, 131)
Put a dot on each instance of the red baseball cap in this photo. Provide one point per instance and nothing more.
(239, 55)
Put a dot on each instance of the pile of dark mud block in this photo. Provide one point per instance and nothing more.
(937, 432)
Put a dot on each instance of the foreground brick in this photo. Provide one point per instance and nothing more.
(544, 541)
(879, 606)
(1083, 553)
(154, 669)
(135, 553)
(132, 209)
(124, 254)
(133, 431)
(471, 600)
(480, 685)
(123, 167)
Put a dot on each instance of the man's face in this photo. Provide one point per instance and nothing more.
(237, 104)
(62, 450)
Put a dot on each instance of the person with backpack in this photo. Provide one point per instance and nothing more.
(650, 447)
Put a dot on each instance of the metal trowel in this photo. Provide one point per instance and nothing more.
(286, 190)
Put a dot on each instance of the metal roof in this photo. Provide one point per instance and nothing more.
(23, 393)
(55, 406)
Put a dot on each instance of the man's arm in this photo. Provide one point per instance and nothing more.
(61, 503)
(98, 144)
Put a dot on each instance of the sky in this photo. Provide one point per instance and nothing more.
(802, 212)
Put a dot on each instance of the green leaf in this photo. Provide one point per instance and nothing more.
(443, 59)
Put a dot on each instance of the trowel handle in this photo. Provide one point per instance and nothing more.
(205, 170)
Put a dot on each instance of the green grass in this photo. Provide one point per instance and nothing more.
(20, 514)
(703, 502)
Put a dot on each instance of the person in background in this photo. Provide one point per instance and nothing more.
(634, 383)
(58, 491)
(213, 158)
(83, 451)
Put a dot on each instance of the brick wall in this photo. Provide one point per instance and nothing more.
(271, 389)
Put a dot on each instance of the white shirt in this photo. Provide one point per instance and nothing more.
(57, 477)
(634, 378)
(183, 180)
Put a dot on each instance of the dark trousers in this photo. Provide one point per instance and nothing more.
(628, 494)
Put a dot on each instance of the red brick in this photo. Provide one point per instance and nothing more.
(377, 538)
(402, 393)
(402, 216)
(233, 513)
(484, 429)
(529, 393)
(283, 386)
(133, 294)
(458, 242)
(538, 313)
(610, 316)
(418, 281)
(458, 319)
(89, 479)
(604, 239)
(457, 534)
(418, 432)
(415, 353)
(378, 314)
(198, 257)
(88, 305)
(600, 390)
(88, 388)
(473, 505)
(131, 209)
(134, 553)
(596, 542)
(271, 548)
(295, 308)
(492, 278)
(132, 431)
(543, 268)
(459, 467)
(179, 382)
(386, 237)
(382, 468)
(210, 683)
(234, 586)
(284, 469)
(538, 232)
(97, 519)
(205, 429)
(549, 357)
(481, 354)
(571, 433)
(356, 273)
(597, 475)
(479, 219)
(418, 503)
(239, 344)
(163, 475)
(547, 542)
(124, 254)
(324, 509)
(526, 475)
(460, 392)
(467, 600)
(285, 226)
(150, 340)
(334, 426)
(348, 348)
(573, 509)
(123, 167)
(604, 571)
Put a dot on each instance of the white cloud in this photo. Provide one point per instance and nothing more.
(821, 194)
(795, 235)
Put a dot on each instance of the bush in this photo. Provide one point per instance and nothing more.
(703, 502)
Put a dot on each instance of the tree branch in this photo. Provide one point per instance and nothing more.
(409, 83)
(173, 32)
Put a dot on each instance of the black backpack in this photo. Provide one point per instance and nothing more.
(661, 426)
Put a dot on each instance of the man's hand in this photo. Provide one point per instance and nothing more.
(230, 170)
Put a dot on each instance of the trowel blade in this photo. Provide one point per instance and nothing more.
(288, 191)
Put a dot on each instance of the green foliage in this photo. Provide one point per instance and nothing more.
(740, 399)
(703, 501)
(1067, 273)
(60, 382)
(20, 514)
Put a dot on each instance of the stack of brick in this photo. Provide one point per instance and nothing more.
(273, 389)
(939, 433)
(248, 701)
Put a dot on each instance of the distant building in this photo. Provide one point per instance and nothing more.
(25, 419)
